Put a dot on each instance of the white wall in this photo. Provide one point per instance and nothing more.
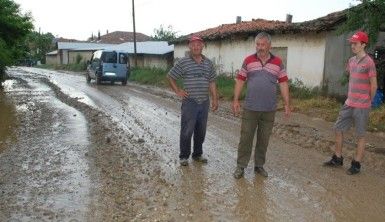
(227, 55)
(155, 62)
(305, 55)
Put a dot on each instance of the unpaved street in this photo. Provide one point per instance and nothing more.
(72, 151)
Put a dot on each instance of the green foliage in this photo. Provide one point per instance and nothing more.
(299, 90)
(368, 16)
(14, 27)
(225, 85)
(163, 34)
(38, 45)
(344, 79)
(78, 58)
(149, 76)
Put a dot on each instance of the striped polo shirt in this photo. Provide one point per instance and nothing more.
(360, 72)
(262, 79)
(195, 77)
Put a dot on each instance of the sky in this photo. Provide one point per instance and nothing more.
(79, 19)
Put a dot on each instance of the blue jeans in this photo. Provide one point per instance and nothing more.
(193, 121)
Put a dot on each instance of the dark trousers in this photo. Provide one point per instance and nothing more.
(193, 121)
(252, 120)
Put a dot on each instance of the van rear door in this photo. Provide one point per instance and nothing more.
(109, 60)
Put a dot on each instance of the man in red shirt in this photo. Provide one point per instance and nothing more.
(362, 89)
(261, 72)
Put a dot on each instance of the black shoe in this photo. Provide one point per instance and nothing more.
(200, 159)
(335, 161)
(239, 172)
(354, 168)
(183, 162)
(261, 171)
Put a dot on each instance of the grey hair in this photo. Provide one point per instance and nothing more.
(262, 35)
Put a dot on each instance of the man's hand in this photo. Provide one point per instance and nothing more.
(214, 105)
(236, 107)
(287, 111)
(181, 93)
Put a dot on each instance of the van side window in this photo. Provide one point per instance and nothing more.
(122, 58)
(109, 57)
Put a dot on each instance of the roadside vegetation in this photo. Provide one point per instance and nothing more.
(14, 28)
(76, 67)
(310, 101)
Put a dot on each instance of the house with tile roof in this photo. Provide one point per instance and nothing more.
(311, 51)
(119, 37)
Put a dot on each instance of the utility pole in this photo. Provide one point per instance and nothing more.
(133, 20)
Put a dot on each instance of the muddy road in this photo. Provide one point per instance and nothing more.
(72, 151)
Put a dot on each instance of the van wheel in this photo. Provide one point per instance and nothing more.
(124, 82)
(98, 81)
(88, 78)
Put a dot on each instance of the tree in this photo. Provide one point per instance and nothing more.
(368, 16)
(39, 45)
(14, 27)
(163, 34)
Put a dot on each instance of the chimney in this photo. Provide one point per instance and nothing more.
(289, 18)
(107, 31)
(99, 35)
(238, 19)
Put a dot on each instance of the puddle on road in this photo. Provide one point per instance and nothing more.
(7, 120)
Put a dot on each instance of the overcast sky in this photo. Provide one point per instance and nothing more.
(80, 18)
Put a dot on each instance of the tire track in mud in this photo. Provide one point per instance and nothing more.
(131, 184)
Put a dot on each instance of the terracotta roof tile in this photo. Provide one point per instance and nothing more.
(247, 28)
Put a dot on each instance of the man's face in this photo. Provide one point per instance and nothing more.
(357, 47)
(263, 47)
(196, 47)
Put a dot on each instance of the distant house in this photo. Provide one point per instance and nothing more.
(119, 37)
(68, 52)
(151, 54)
(51, 58)
(311, 50)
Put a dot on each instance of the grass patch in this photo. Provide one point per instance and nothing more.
(377, 119)
(152, 76)
(80, 67)
(225, 87)
(323, 107)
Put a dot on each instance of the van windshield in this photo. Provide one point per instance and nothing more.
(109, 57)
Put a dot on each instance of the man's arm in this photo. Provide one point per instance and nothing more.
(174, 86)
(373, 87)
(214, 96)
(284, 87)
(237, 92)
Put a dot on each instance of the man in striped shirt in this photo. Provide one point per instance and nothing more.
(198, 76)
(262, 72)
(362, 89)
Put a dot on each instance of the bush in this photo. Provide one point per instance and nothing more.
(78, 59)
(299, 90)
